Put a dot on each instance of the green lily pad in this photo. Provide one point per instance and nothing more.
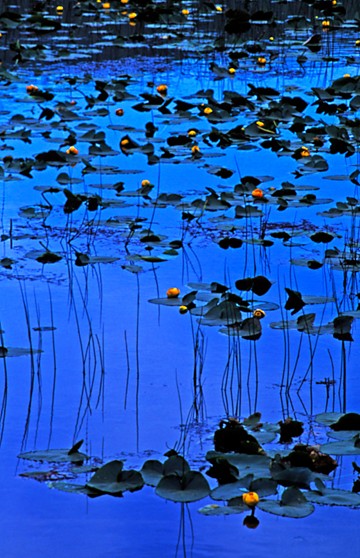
(292, 504)
(214, 509)
(257, 465)
(343, 447)
(262, 486)
(57, 455)
(112, 479)
(190, 487)
(332, 496)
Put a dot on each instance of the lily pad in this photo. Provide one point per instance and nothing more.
(71, 455)
(292, 504)
(112, 479)
(190, 487)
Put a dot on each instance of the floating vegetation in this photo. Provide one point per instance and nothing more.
(208, 155)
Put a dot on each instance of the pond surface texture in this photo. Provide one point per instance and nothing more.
(179, 215)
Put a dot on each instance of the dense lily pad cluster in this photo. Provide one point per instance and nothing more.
(248, 476)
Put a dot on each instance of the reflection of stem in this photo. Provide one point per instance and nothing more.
(32, 365)
(5, 392)
(181, 540)
(137, 364)
(128, 370)
(52, 408)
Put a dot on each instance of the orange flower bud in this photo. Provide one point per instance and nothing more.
(173, 292)
(251, 499)
(257, 193)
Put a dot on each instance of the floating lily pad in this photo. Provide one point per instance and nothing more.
(112, 479)
(190, 487)
(57, 455)
(214, 509)
(292, 504)
(332, 496)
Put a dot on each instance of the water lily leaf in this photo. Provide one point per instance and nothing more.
(343, 447)
(57, 455)
(259, 285)
(152, 471)
(322, 237)
(328, 418)
(292, 504)
(112, 479)
(190, 487)
(349, 421)
(257, 465)
(332, 496)
(167, 301)
(286, 475)
(176, 465)
(214, 509)
(72, 488)
(343, 434)
(263, 487)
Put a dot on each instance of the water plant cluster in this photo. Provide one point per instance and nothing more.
(191, 169)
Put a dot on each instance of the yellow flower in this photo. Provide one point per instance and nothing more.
(145, 183)
(72, 151)
(59, 9)
(162, 89)
(124, 142)
(183, 309)
(271, 38)
(31, 89)
(208, 110)
(251, 499)
(119, 112)
(258, 313)
(124, 1)
(185, 12)
(357, 43)
(261, 60)
(132, 15)
(106, 5)
(325, 23)
(218, 8)
(260, 124)
(346, 75)
(173, 292)
(257, 193)
(232, 71)
(304, 152)
(195, 149)
(192, 133)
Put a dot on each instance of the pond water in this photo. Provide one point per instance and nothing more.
(103, 212)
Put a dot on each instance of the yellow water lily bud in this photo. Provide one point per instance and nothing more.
(173, 292)
(251, 499)
(72, 151)
(183, 309)
(257, 193)
(162, 89)
(145, 183)
(208, 110)
(258, 313)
